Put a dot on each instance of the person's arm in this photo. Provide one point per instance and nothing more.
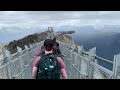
(64, 74)
(39, 52)
(62, 68)
(62, 55)
(34, 72)
(35, 67)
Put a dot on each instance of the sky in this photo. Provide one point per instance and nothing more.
(58, 18)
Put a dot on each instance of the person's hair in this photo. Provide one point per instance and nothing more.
(48, 44)
(48, 48)
(56, 48)
(57, 44)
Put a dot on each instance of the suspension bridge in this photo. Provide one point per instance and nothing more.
(80, 64)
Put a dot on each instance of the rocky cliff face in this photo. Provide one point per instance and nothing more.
(30, 39)
(64, 38)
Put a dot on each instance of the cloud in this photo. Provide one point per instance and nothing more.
(58, 18)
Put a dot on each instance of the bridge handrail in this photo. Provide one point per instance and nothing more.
(101, 68)
(11, 59)
(111, 73)
(94, 64)
(99, 58)
(17, 76)
(96, 57)
(106, 60)
(76, 67)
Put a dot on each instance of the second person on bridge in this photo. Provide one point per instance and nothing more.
(56, 50)
(49, 66)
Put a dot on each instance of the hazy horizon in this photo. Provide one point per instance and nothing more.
(31, 22)
(58, 18)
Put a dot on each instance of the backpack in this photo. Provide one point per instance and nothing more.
(48, 67)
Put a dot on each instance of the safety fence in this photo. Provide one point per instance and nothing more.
(80, 64)
(19, 65)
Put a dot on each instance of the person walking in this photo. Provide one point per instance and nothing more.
(49, 66)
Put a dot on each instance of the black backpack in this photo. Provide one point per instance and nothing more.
(48, 67)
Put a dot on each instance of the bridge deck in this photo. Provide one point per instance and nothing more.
(79, 63)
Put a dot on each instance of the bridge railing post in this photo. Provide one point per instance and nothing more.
(31, 48)
(82, 63)
(74, 47)
(27, 50)
(35, 49)
(116, 67)
(80, 49)
(90, 68)
(9, 59)
(28, 71)
(72, 54)
(21, 61)
(26, 47)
